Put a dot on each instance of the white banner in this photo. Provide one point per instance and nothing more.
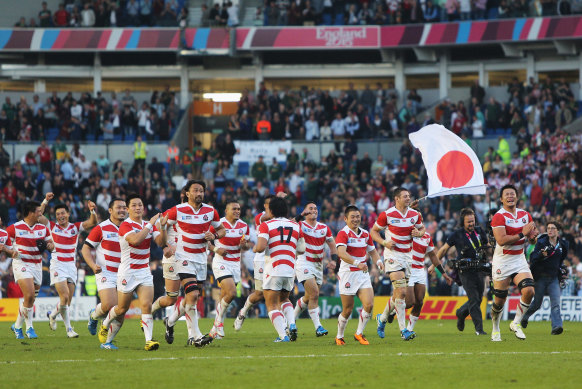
(249, 151)
(79, 310)
(570, 309)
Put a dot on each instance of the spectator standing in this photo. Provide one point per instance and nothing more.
(173, 157)
(264, 128)
(61, 16)
(145, 13)
(44, 16)
(259, 170)
(140, 152)
(45, 157)
(87, 16)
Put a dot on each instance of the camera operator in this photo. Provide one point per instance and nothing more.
(545, 262)
(470, 242)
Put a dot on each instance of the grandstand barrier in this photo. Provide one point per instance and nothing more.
(79, 309)
(331, 307)
(434, 308)
(570, 309)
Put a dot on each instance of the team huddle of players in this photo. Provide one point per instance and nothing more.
(118, 251)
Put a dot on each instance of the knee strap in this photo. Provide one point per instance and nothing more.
(172, 294)
(496, 308)
(500, 293)
(190, 286)
(36, 293)
(525, 283)
(401, 283)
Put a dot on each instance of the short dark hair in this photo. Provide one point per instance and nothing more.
(130, 197)
(63, 206)
(269, 197)
(350, 208)
(30, 207)
(183, 197)
(466, 212)
(192, 182)
(505, 187)
(554, 222)
(397, 191)
(233, 201)
(113, 200)
(310, 202)
(278, 207)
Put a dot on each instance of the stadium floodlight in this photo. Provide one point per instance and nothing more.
(223, 97)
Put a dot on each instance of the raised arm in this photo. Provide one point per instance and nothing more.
(92, 221)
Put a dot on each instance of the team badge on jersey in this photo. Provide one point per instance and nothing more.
(185, 263)
(412, 220)
(347, 285)
(498, 271)
(123, 282)
(205, 218)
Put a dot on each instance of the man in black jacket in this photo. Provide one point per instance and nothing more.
(545, 262)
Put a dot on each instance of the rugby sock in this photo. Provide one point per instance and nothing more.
(246, 307)
(148, 326)
(20, 317)
(191, 315)
(342, 322)
(401, 313)
(110, 317)
(156, 305)
(179, 310)
(114, 328)
(411, 322)
(56, 312)
(364, 318)
(300, 307)
(521, 309)
(97, 313)
(64, 310)
(221, 311)
(387, 310)
(288, 311)
(496, 311)
(28, 317)
(278, 320)
(314, 315)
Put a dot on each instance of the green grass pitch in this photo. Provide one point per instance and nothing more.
(439, 357)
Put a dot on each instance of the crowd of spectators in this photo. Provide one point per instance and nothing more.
(109, 13)
(350, 12)
(89, 117)
(315, 114)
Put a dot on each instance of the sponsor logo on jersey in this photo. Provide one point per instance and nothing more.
(21, 233)
(112, 235)
(187, 217)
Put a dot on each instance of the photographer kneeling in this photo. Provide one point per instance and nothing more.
(545, 262)
(471, 264)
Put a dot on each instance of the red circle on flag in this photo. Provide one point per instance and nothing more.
(455, 169)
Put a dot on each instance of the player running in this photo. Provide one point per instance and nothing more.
(134, 275)
(193, 220)
(259, 267)
(309, 269)
(511, 226)
(421, 247)
(282, 237)
(63, 269)
(27, 239)
(401, 223)
(226, 262)
(104, 240)
(354, 244)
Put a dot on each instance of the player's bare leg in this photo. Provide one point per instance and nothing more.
(172, 293)
(311, 301)
(499, 296)
(366, 296)
(227, 294)
(114, 320)
(273, 301)
(65, 291)
(289, 313)
(29, 291)
(145, 295)
(108, 298)
(254, 298)
(398, 298)
(190, 311)
(525, 283)
(418, 292)
(344, 317)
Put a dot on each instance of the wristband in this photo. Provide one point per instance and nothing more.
(216, 236)
(378, 262)
(335, 257)
(44, 202)
(520, 235)
(215, 249)
(440, 268)
(148, 226)
(356, 263)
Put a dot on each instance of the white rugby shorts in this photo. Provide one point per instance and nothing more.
(23, 270)
(106, 280)
(127, 283)
(305, 270)
(417, 276)
(504, 269)
(350, 282)
(223, 269)
(278, 283)
(63, 271)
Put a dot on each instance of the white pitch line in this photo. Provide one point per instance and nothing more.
(217, 357)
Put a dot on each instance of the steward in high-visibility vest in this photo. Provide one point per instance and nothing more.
(91, 285)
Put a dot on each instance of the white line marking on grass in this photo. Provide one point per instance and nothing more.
(223, 357)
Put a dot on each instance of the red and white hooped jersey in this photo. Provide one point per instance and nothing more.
(65, 240)
(231, 241)
(23, 237)
(191, 226)
(357, 246)
(104, 238)
(315, 239)
(513, 225)
(398, 227)
(420, 247)
(3, 236)
(259, 257)
(135, 257)
(282, 235)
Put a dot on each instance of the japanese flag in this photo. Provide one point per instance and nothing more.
(451, 165)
